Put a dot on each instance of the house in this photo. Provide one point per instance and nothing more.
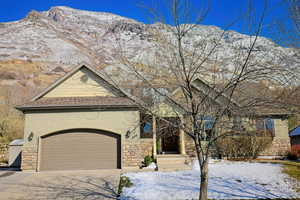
(82, 121)
(267, 121)
(295, 140)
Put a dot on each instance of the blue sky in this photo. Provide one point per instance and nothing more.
(222, 11)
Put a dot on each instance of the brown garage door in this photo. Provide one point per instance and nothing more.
(80, 150)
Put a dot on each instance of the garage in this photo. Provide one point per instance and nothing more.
(80, 149)
(79, 123)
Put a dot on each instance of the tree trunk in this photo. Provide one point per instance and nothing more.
(204, 181)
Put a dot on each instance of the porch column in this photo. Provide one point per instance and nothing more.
(181, 137)
(154, 136)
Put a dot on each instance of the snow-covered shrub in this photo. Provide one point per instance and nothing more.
(242, 147)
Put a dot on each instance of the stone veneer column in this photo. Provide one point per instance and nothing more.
(131, 150)
(181, 137)
(154, 136)
(29, 158)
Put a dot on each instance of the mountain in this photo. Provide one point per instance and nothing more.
(39, 48)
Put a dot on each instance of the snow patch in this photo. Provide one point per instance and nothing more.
(227, 180)
(151, 166)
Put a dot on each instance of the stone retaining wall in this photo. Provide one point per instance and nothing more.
(3, 152)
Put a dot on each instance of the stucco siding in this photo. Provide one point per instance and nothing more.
(165, 110)
(48, 122)
(281, 128)
(82, 83)
(39, 124)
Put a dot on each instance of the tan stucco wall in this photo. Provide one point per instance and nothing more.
(82, 83)
(119, 122)
(165, 110)
(281, 128)
(115, 121)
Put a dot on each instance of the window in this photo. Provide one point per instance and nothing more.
(237, 124)
(208, 123)
(265, 126)
(146, 126)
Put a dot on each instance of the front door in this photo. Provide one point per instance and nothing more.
(169, 137)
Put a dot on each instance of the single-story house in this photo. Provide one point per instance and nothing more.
(295, 140)
(82, 121)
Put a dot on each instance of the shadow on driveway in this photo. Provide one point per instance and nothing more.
(65, 186)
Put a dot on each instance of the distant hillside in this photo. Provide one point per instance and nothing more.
(37, 49)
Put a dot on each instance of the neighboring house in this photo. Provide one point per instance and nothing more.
(295, 139)
(84, 122)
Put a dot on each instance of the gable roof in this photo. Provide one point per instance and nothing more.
(205, 87)
(215, 92)
(72, 72)
(40, 102)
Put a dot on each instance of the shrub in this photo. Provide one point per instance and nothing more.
(291, 156)
(147, 160)
(124, 182)
(11, 125)
(242, 147)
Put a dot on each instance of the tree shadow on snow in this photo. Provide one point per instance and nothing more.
(220, 187)
(233, 188)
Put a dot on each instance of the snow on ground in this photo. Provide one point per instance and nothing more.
(151, 166)
(227, 180)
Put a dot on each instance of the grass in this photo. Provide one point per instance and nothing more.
(291, 168)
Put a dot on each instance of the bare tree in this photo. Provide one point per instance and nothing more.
(286, 29)
(182, 63)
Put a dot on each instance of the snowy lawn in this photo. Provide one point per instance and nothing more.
(227, 180)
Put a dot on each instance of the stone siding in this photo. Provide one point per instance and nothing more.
(189, 146)
(278, 147)
(29, 158)
(3, 152)
(146, 147)
(131, 156)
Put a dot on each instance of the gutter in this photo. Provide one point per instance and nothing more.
(98, 107)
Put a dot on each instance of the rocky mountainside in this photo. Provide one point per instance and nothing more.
(44, 45)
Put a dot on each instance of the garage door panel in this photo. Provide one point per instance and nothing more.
(80, 150)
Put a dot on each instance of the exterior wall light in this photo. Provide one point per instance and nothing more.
(127, 135)
(30, 136)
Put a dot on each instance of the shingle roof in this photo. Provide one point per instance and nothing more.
(78, 102)
(40, 102)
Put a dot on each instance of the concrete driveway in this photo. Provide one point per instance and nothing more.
(100, 184)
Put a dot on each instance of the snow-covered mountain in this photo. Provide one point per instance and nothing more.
(62, 37)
